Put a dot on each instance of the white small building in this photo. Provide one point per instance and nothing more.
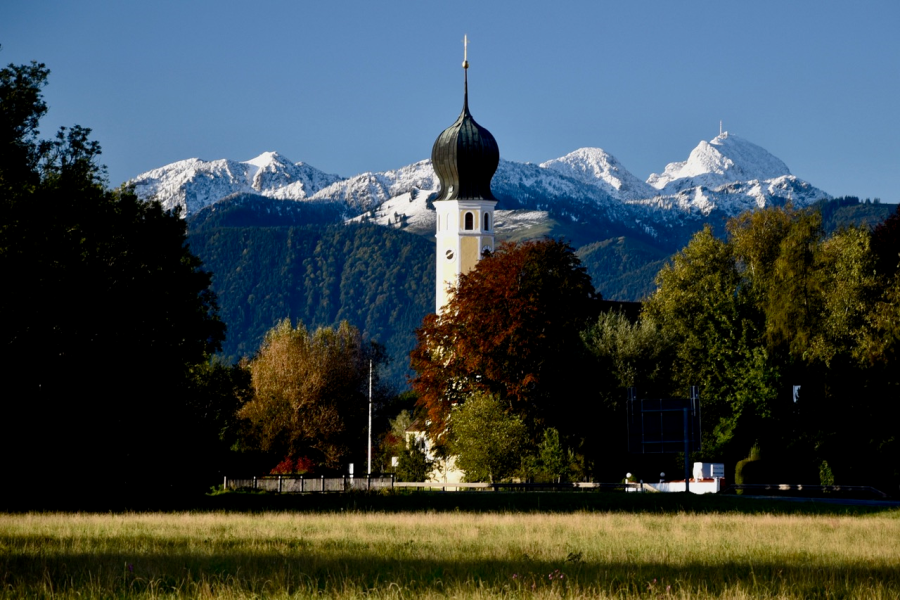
(708, 478)
(444, 469)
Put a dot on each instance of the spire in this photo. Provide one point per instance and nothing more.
(465, 155)
(466, 88)
(465, 65)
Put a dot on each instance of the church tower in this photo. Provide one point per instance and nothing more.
(465, 157)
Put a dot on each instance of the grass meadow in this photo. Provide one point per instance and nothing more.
(456, 554)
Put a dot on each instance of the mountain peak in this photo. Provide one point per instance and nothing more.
(267, 158)
(599, 168)
(725, 159)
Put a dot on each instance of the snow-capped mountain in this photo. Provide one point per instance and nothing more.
(525, 185)
(726, 175)
(193, 183)
(598, 168)
(724, 159)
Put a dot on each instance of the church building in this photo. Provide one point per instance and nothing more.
(465, 157)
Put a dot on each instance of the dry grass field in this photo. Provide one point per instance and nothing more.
(452, 554)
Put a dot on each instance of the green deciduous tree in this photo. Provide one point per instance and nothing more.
(487, 440)
(632, 354)
(780, 304)
(413, 463)
(216, 392)
(310, 393)
(703, 306)
(554, 461)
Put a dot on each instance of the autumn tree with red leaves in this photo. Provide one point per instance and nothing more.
(510, 329)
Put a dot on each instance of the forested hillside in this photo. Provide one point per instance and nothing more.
(623, 268)
(850, 210)
(378, 279)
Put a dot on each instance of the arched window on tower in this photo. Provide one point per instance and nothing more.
(487, 221)
(470, 221)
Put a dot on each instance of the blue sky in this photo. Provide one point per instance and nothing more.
(362, 86)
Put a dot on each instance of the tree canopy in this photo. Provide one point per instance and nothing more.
(511, 329)
(310, 393)
(106, 309)
(488, 442)
(413, 463)
(776, 305)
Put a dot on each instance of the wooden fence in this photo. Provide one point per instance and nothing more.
(303, 484)
(757, 489)
(523, 487)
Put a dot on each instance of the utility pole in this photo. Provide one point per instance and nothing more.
(687, 454)
(369, 472)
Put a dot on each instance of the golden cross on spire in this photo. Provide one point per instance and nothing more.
(466, 51)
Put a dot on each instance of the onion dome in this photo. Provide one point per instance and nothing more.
(465, 156)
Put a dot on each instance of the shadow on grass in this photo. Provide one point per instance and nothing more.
(535, 502)
(348, 568)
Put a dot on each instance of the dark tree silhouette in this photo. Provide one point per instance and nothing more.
(105, 311)
(886, 244)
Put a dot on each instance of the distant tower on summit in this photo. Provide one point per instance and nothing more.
(465, 157)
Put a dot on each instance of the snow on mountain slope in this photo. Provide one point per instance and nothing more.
(532, 187)
(387, 195)
(409, 210)
(508, 222)
(368, 190)
(724, 159)
(399, 198)
(598, 168)
(732, 198)
(193, 183)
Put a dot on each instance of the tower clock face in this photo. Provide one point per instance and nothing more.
(449, 254)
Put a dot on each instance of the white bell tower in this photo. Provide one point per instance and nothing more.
(465, 232)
